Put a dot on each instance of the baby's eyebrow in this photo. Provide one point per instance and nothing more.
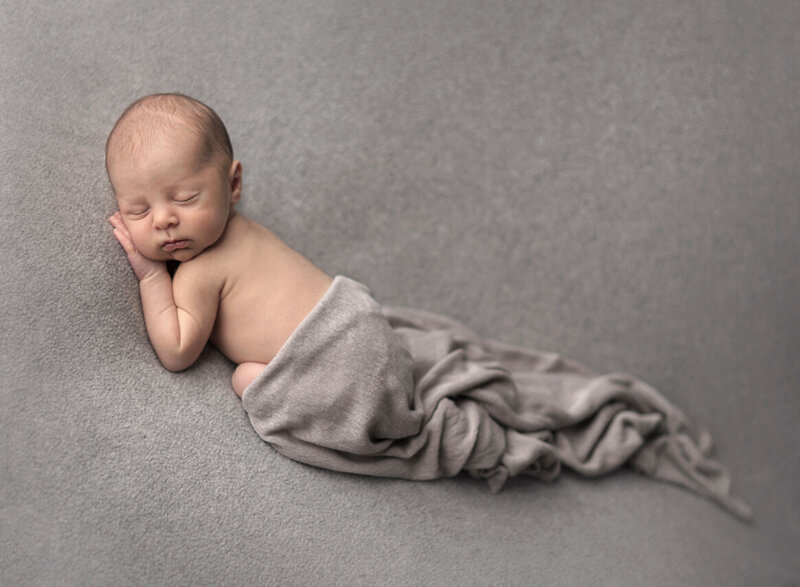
(130, 200)
(193, 180)
(133, 204)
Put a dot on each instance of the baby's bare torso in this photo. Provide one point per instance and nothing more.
(266, 289)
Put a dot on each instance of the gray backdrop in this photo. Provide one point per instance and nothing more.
(617, 183)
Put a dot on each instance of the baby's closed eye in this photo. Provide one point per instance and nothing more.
(185, 199)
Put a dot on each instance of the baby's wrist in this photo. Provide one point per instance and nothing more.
(154, 274)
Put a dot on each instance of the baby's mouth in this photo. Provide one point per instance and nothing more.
(175, 245)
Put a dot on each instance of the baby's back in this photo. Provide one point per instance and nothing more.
(267, 289)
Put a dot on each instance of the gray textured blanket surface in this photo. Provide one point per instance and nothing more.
(398, 392)
(617, 184)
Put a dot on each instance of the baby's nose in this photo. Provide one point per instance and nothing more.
(164, 217)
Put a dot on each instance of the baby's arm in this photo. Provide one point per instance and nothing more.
(179, 314)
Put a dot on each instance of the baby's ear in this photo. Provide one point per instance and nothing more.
(235, 181)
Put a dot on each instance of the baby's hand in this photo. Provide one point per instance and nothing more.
(143, 267)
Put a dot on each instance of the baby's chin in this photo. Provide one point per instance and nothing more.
(182, 255)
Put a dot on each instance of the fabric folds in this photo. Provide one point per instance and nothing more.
(398, 392)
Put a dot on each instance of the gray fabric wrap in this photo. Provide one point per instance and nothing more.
(398, 392)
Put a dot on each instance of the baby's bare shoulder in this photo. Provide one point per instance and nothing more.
(247, 239)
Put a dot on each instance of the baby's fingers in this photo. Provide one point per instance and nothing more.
(124, 239)
(121, 233)
(117, 222)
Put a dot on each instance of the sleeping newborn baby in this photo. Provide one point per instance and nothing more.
(328, 376)
(238, 285)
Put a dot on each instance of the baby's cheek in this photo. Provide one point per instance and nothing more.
(210, 225)
(146, 245)
(140, 243)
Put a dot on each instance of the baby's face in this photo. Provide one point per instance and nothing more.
(173, 204)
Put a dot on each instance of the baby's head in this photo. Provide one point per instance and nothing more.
(171, 166)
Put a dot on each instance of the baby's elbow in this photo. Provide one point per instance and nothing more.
(178, 356)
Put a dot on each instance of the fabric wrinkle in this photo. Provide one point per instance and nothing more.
(398, 392)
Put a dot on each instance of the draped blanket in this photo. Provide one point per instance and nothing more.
(397, 392)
